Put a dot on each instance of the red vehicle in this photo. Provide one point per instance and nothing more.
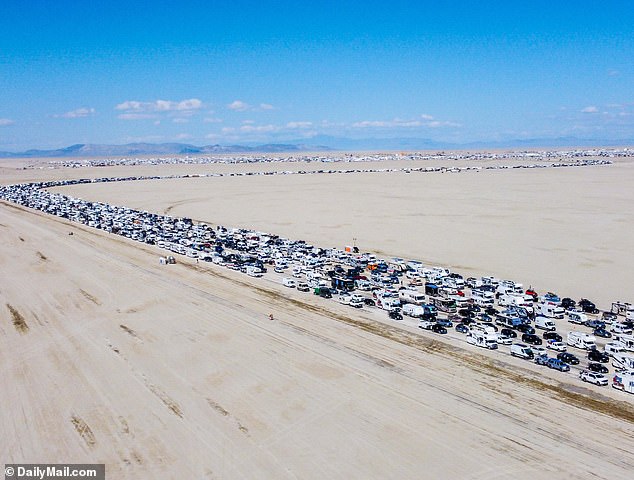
(532, 293)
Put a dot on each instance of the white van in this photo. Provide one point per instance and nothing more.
(483, 298)
(620, 328)
(408, 295)
(522, 350)
(545, 323)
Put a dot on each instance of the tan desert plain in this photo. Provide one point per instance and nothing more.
(173, 372)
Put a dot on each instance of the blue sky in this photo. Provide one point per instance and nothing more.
(207, 72)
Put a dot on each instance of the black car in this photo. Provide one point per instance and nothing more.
(525, 328)
(461, 328)
(597, 356)
(587, 306)
(597, 367)
(444, 322)
(395, 315)
(602, 332)
(467, 313)
(491, 311)
(552, 336)
(568, 303)
(369, 302)
(531, 339)
(568, 358)
(508, 332)
(437, 328)
(594, 324)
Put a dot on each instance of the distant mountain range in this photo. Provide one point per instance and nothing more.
(131, 149)
(318, 143)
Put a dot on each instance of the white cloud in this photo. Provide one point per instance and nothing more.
(590, 109)
(427, 122)
(5, 122)
(258, 128)
(248, 122)
(212, 120)
(238, 106)
(77, 113)
(266, 106)
(180, 120)
(299, 125)
(136, 116)
(188, 105)
(183, 136)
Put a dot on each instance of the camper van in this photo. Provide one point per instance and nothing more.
(581, 340)
(507, 320)
(550, 310)
(482, 339)
(576, 317)
(620, 328)
(626, 340)
(408, 295)
(623, 361)
(624, 381)
(483, 298)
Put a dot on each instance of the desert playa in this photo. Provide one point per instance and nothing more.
(177, 372)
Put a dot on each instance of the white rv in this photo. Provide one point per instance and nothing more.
(412, 310)
(626, 340)
(581, 340)
(576, 317)
(411, 295)
(623, 361)
(620, 328)
(624, 381)
(484, 339)
(483, 298)
(550, 310)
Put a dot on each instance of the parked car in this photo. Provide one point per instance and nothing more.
(568, 358)
(531, 339)
(541, 359)
(555, 345)
(552, 336)
(504, 340)
(491, 325)
(537, 350)
(557, 364)
(438, 328)
(567, 303)
(597, 367)
(395, 314)
(595, 324)
(592, 377)
(587, 306)
(303, 287)
(602, 332)
(444, 322)
(462, 328)
(369, 302)
(525, 328)
(491, 311)
(508, 332)
(598, 356)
